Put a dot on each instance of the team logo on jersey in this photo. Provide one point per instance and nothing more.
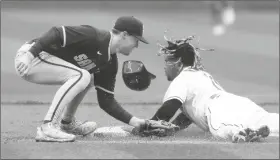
(99, 53)
(84, 62)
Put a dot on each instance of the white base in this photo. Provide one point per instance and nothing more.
(115, 131)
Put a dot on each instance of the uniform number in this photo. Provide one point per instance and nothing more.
(84, 62)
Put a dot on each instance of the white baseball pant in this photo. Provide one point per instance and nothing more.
(229, 113)
(47, 69)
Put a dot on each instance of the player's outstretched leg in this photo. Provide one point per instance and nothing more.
(236, 118)
(250, 135)
(272, 121)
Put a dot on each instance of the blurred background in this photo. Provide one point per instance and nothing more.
(245, 61)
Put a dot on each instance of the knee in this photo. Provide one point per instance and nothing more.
(219, 134)
(85, 78)
(21, 52)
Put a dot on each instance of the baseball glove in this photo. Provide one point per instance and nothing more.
(158, 128)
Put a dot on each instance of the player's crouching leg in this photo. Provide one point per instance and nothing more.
(22, 56)
(49, 132)
(72, 125)
(79, 128)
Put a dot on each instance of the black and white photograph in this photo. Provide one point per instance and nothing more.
(139, 79)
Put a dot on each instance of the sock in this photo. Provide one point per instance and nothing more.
(46, 121)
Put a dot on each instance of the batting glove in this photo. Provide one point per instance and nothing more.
(23, 62)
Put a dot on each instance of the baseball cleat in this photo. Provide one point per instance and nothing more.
(249, 135)
(79, 128)
(263, 131)
(49, 133)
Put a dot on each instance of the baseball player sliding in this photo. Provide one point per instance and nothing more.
(78, 57)
(205, 103)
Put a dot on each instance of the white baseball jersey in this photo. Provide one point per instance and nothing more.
(215, 110)
(193, 88)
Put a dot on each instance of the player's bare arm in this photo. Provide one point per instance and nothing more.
(168, 110)
(109, 104)
(104, 82)
(182, 121)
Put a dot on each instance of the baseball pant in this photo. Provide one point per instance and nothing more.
(47, 69)
(229, 113)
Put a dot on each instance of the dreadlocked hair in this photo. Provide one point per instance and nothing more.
(197, 60)
(186, 53)
(185, 50)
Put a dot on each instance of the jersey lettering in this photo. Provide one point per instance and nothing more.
(84, 62)
(80, 57)
(89, 67)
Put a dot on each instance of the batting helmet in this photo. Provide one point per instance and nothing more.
(135, 75)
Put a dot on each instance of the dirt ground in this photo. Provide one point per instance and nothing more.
(245, 62)
(19, 122)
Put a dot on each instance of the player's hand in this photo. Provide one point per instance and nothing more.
(158, 128)
(23, 62)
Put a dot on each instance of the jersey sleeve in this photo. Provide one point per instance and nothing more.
(105, 79)
(51, 40)
(178, 89)
(58, 37)
(75, 34)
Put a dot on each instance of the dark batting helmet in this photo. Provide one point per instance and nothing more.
(136, 76)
